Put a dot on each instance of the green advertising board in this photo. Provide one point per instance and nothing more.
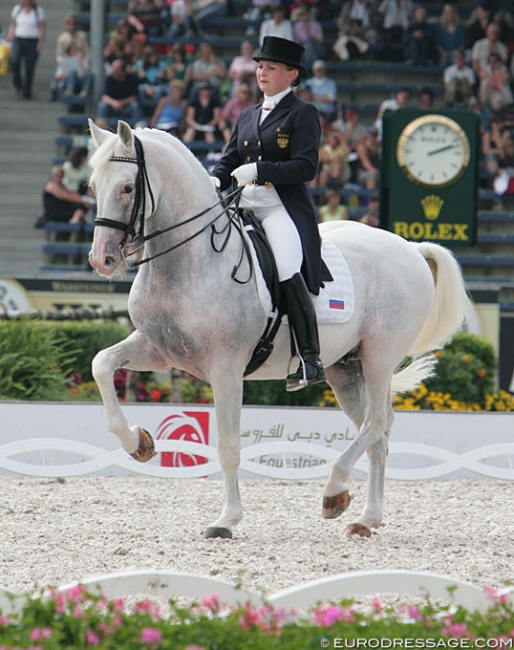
(429, 175)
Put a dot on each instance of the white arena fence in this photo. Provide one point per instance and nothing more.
(169, 584)
(63, 440)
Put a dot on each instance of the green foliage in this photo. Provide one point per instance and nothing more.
(34, 361)
(273, 393)
(466, 369)
(82, 620)
(37, 357)
(87, 338)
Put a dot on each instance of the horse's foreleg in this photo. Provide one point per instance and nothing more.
(228, 397)
(132, 353)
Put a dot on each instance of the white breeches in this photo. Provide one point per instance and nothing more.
(280, 230)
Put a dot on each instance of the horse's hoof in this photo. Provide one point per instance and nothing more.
(146, 449)
(357, 529)
(336, 505)
(215, 531)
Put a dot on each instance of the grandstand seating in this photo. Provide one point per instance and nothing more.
(362, 84)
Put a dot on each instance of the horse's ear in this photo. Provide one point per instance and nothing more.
(125, 135)
(98, 135)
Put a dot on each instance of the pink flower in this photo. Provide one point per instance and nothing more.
(40, 633)
(92, 638)
(495, 595)
(327, 615)
(118, 605)
(151, 635)
(411, 612)
(76, 593)
(211, 603)
(455, 630)
(147, 607)
(250, 617)
(377, 605)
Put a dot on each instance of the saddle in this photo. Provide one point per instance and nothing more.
(264, 255)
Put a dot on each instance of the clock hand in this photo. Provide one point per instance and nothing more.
(441, 149)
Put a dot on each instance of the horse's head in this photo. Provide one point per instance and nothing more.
(173, 198)
(118, 181)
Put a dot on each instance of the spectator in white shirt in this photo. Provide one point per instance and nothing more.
(27, 33)
(278, 25)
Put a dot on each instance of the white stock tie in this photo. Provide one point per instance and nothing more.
(267, 106)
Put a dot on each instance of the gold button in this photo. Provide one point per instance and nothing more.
(268, 184)
(248, 159)
(258, 143)
(259, 158)
(245, 143)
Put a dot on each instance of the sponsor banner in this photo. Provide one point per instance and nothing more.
(22, 295)
(62, 439)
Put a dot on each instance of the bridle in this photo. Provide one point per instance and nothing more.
(139, 208)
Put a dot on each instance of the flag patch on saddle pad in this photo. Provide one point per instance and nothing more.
(336, 304)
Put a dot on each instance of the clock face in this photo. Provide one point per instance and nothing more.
(433, 151)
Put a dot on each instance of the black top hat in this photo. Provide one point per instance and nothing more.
(282, 51)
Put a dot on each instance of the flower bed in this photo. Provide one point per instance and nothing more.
(78, 619)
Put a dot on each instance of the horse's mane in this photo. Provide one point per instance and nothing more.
(105, 151)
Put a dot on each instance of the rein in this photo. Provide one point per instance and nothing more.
(139, 207)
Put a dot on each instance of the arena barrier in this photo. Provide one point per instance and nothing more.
(63, 439)
(169, 584)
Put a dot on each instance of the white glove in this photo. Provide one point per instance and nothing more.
(245, 174)
(216, 183)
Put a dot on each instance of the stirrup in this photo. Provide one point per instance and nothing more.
(299, 379)
(293, 380)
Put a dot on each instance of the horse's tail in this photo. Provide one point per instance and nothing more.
(451, 307)
(451, 302)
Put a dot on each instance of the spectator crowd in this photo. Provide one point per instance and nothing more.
(161, 70)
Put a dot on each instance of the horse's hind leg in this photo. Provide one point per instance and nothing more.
(347, 381)
(228, 397)
(367, 401)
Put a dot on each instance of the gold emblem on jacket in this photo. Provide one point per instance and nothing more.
(283, 140)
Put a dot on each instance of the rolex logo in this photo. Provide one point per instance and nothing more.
(432, 205)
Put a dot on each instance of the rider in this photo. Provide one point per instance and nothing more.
(273, 153)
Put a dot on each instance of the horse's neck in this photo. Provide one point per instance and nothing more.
(191, 247)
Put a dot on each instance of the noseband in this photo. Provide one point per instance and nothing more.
(139, 207)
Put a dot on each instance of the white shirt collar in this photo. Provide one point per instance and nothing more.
(272, 100)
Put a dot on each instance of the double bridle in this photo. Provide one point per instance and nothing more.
(139, 209)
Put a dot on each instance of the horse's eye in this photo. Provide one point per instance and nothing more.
(127, 189)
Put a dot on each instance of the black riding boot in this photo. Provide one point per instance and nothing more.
(302, 318)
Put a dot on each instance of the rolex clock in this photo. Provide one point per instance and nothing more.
(433, 151)
(429, 175)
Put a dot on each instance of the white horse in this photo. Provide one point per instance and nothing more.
(189, 313)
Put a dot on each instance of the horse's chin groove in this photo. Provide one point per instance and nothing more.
(146, 449)
(336, 505)
(217, 532)
(357, 529)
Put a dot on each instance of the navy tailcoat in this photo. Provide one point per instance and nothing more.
(286, 148)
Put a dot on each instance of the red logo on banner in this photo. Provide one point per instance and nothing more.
(191, 426)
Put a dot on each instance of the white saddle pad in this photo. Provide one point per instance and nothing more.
(335, 302)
